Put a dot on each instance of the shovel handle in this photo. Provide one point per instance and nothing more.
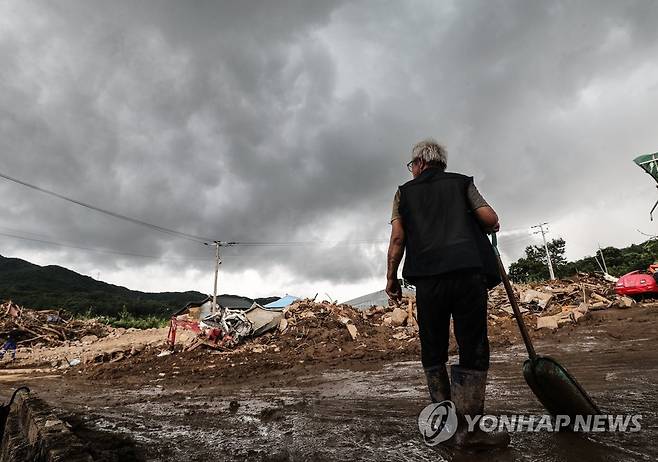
(512, 300)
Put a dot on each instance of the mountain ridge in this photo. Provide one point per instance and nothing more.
(57, 287)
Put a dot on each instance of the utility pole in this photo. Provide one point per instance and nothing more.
(218, 262)
(548, 255)
(603, 258)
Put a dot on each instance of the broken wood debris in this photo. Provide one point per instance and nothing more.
(559, 302)
(45, 327)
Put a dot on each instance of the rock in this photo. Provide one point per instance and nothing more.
(52, 423)
(351, 328)
(118, 357)
(624, 302)
(598, 306)
(600, 298)
(547, 322)
(411, 320)
(283, 324)
(88, 339)
(233, 407)
(577, 315)
(510, 310)
(401, 336)
(137, 348)
(398, 316)
(565, 320)
(534, 295)
(387, 320)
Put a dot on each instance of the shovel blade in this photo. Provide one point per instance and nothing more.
(556, 389)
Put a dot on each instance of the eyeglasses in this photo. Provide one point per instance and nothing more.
(410, 165)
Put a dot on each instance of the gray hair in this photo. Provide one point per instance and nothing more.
(431, 152)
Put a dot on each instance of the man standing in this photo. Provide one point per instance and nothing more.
(440, 220)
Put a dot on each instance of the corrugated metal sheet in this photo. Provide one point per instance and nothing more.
(282, 302)
(378, 298)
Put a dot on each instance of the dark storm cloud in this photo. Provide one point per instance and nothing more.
(291, 121)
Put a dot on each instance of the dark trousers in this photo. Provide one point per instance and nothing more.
(464, 296)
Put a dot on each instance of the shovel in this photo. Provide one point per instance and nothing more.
(557, 390)
(6, 408)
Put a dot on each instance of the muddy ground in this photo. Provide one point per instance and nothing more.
(203, 406)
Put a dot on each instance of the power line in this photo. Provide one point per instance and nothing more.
(91, 249)
(306, 243)
(161, 229)
(43, 239)
(652, 236)
(192, 237)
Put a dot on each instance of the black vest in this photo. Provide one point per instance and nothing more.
(442, 234)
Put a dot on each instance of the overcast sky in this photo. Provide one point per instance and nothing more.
(291, 121)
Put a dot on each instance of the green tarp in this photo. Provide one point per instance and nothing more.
(649, 163)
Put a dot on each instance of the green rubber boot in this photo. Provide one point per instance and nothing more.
(468, 387)
(438, 383)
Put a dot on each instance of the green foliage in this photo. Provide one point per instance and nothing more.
(54, 287)
(621, 261)
(127, 320)
(533, 267)
(146, 322)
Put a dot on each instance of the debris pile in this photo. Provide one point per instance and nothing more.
(305, 330)
(45, 327)
(334, 327)
(555, 303)
(310, 327)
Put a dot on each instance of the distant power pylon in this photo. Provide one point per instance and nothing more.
(548, 255)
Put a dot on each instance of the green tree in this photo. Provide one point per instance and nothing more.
(534, 266)
(619, 261)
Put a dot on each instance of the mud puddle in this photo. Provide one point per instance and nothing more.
(348, 415)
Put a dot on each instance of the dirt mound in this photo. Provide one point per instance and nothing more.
(309, 334)
(318, 331)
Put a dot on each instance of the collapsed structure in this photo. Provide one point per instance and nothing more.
(552, 304)
(304, 329)
(45, 327)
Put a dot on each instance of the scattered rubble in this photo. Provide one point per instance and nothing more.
(552, 304)
(46, 327)
(306, 329)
